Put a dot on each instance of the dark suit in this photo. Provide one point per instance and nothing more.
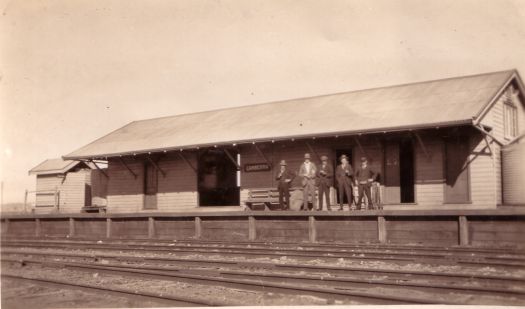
(284, 187)
(344, 183)
(325, 176)
(364, 178)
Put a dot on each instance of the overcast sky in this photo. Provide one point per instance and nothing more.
(72, 71)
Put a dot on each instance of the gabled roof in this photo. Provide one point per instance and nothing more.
(54, 166)
(444, 102)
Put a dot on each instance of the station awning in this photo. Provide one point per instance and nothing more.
(439, 103)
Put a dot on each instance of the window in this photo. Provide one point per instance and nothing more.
(510, 119)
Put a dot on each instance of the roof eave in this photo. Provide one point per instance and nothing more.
(269, 139)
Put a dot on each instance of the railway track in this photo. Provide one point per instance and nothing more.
(176, 301)
(405, 255)
(341, 288)
(322, 281)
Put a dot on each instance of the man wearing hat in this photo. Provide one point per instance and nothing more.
(325, 179)
(364, 178)
(308, 171)
(284, 179)
(344, 174)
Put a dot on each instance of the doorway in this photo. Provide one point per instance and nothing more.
(399, 172)
(457, 170)
(338, 154)
(217, 179)
(406, 167)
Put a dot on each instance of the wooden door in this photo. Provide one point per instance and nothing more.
(392, 193)
(456, 170)
(150, 186)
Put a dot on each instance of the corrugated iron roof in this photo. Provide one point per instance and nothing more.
(425, 104)
(54, 166)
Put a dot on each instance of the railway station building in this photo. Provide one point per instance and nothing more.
(434, 145)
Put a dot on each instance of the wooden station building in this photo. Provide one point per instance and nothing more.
(434, 145)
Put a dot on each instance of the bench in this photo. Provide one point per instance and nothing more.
(267, 198)
(92, 209)
(263, 199)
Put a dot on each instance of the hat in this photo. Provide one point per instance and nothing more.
(324, 158)
(343, 157)
(283, 162)
(307, 156)
(363, 159)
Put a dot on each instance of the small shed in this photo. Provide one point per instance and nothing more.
(62, 185)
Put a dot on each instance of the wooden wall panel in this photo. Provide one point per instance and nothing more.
(174, 229)
(429, 172)
(129, 228)
(350, 230)
(488, 232)
(125, 193)
(90, 228)
(282, 230)
(21, 228)
(57, 227)
(430, 231)
(225, 229)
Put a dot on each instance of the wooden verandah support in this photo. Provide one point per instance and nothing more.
(127, 167)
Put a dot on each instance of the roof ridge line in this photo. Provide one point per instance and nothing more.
(324, 95)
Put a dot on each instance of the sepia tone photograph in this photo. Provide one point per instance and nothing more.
(197, 153)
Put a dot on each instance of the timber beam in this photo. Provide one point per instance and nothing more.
(232, 158)
(127, 167)
(99, 169)
(187, 162)
(262, 154)
(157, 167)
(356, 139)
(312, 150)
(483, 131)
(422, 145)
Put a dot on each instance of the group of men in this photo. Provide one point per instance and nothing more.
(322, 177)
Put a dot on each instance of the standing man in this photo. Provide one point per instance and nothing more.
(325, 176)
(308, 172)
(284, 178)
(344, 174)
(364, 178)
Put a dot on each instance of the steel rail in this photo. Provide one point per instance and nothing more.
(301, 278)
(173, 300)
(254, 251)
(254, 284)
(248, 264)
(398, 247)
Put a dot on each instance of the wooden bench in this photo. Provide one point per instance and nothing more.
(263, 199)
(267, 198)
(91, 209)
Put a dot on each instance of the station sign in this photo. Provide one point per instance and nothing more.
(257, 167)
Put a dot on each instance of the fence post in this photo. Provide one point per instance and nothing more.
(151, 227)
(71, 227)
(38, 228)
(56, 198)
(381, 229)
(25, 201)
(252, 234)
(198, 227)
(463, 231)
(312, 231)
(6, 227)
(108, 227)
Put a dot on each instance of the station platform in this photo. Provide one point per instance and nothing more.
(443, 227)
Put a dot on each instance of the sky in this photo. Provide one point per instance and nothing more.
(73, 71)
